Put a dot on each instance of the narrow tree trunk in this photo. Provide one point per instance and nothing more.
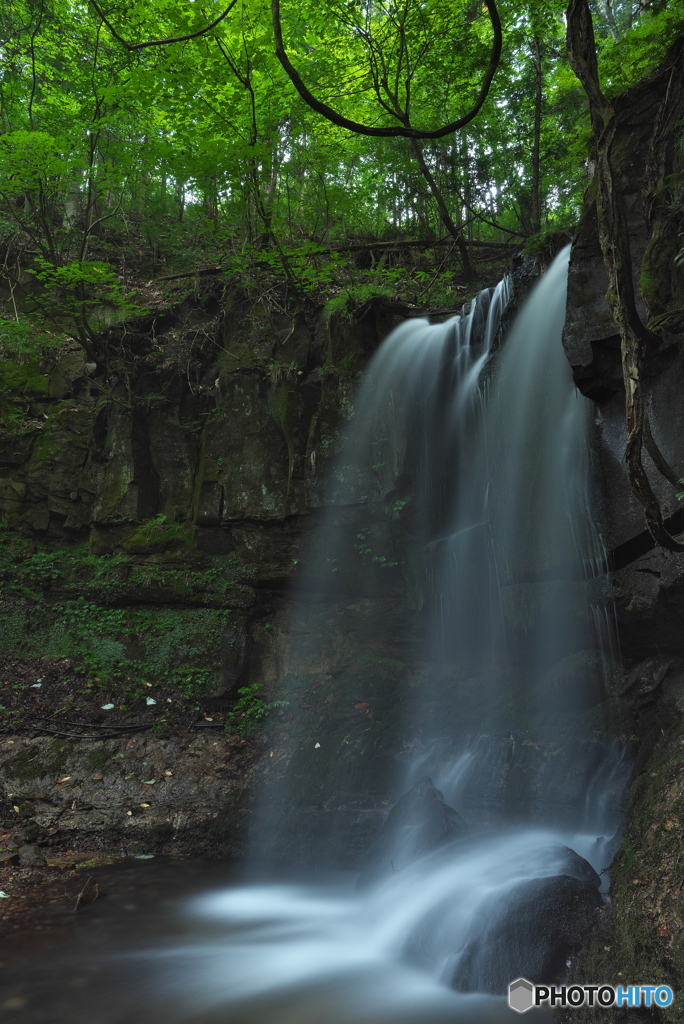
(468, 267)
(536, 137)
(607, 8)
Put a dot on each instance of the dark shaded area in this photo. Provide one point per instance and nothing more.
(628, 552)
(530, 935)
(66, 967)
(619, 558)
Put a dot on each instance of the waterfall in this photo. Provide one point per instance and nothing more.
(464, 483)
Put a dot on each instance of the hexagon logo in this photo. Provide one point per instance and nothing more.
(521, 995)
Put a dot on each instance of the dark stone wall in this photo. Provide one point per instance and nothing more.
(642, 937)
(193, 497)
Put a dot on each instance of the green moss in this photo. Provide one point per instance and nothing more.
(23, 379)
(99, 758)
(648, 286)
(114, 487)
(545, 244)
(657, 266)
(645, 941)
(46, 447)
(32, 763)
(65, 428)
(281, 397)
(390, 665)
(159, 533)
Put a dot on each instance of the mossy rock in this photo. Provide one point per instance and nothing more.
(63, 374)
(642, 938)
(24, 379)
(158, 534)
(65, 438)
(29, 764)
(235, 356)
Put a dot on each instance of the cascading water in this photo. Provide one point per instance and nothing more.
(494, 876)
(499, 738)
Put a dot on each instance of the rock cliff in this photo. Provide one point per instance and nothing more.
(153, 521)
(643, 938)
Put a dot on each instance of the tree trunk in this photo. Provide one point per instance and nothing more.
(468, 267)
(536, 137)
(607, 8)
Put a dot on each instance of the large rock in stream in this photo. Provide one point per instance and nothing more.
(529, 934)
(418, 822)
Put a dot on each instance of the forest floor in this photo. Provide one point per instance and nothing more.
(55, 697)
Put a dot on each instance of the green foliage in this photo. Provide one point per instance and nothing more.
(174, 158)
(21, 340)
(159, 532)
(79, 289)
(367, 552)
(133, 645)
(348, 300)
(27, 160)
(546, 241)
(251, 711)
(640, 49)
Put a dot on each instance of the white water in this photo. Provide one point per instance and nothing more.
(500, 467)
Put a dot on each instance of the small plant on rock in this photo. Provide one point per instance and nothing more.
(251, 711)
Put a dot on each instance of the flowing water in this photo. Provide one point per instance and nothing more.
(508, 717)
(492, 455)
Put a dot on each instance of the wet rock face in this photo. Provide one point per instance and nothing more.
(201, 502)
(419, 822)
(530, 935)
(643, 931)
(144, 795)
(649, 586)
(248, 442)
(643, 156)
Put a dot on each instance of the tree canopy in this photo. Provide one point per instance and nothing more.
(151, 139)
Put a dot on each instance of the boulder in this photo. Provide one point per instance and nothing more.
(418, 822)
(529, 933)
(31, 857)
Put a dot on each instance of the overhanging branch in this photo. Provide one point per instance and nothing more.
(162, 42)
(404, 130)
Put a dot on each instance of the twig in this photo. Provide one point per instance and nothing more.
(94, 725)
(81, 736)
